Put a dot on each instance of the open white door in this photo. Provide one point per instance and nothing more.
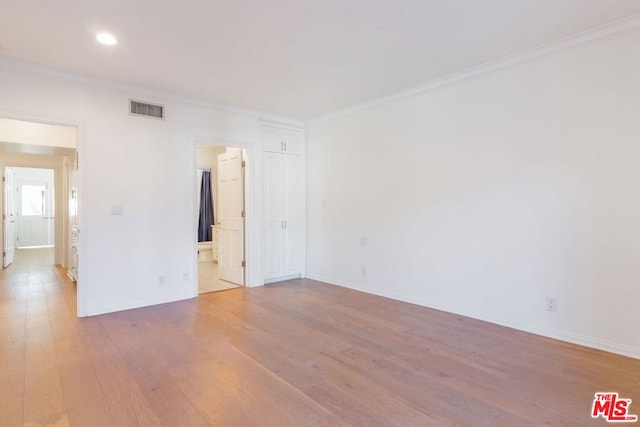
(231, 216)
(9, 215)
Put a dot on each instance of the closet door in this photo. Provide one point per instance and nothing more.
(283, 210)
(274, 222)
(291, 214)
(292, 141)
(272, 139)
(281, 140)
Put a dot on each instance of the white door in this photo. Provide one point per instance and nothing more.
(35, 214)
(231, 216)
(291, 214)
(73, 222)
(9, 216)
(274, 218)
(282, 196)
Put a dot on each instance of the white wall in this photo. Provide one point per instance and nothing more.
(146, 166)
(485, 196)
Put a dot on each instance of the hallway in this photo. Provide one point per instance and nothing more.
(37, 301)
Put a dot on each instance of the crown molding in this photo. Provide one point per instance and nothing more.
(593, 36)
(586, 38)
(12, 64)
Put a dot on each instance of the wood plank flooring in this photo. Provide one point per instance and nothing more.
(299, 353)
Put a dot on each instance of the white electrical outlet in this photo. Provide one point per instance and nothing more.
(185, 276)
(160, 280)
(364, 271)
(363, 241)
(551, 304)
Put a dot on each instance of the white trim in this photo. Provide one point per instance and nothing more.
(282, 279)
(80, 125)
(549, 332)
(279, 124)
(26, 116)
(590, 37)
(130, 305)
(15, 65)
(303, 206)
(82, 278)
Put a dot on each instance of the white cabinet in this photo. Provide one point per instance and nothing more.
(283, 211)
(74, 232)
(281, 139)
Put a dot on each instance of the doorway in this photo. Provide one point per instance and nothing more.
(29, 216)
(33, 210)
(220, 212)
(35, 162)
(34, 189)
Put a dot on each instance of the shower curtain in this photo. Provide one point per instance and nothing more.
(205, 220)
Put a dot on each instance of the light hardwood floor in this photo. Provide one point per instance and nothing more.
(300, 353)
(209, 280)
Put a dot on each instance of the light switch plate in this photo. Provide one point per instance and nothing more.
(117, 210)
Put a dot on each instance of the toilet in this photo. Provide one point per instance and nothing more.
(205, 251)
(208, 251)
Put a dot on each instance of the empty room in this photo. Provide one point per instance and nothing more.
(320, 213)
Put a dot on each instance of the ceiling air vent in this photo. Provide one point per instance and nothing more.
(138, 108)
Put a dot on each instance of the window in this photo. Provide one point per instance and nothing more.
(33, 199)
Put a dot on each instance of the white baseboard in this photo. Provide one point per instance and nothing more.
(545, 331)
(282, 279)
(130, 305)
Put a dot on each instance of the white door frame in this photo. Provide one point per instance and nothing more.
(4, 211)
(59, 177)
(252, 197)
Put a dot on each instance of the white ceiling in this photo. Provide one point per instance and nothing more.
(298, 58)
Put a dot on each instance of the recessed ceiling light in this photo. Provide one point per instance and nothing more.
(106, 38)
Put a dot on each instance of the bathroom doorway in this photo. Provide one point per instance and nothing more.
(220, 211)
